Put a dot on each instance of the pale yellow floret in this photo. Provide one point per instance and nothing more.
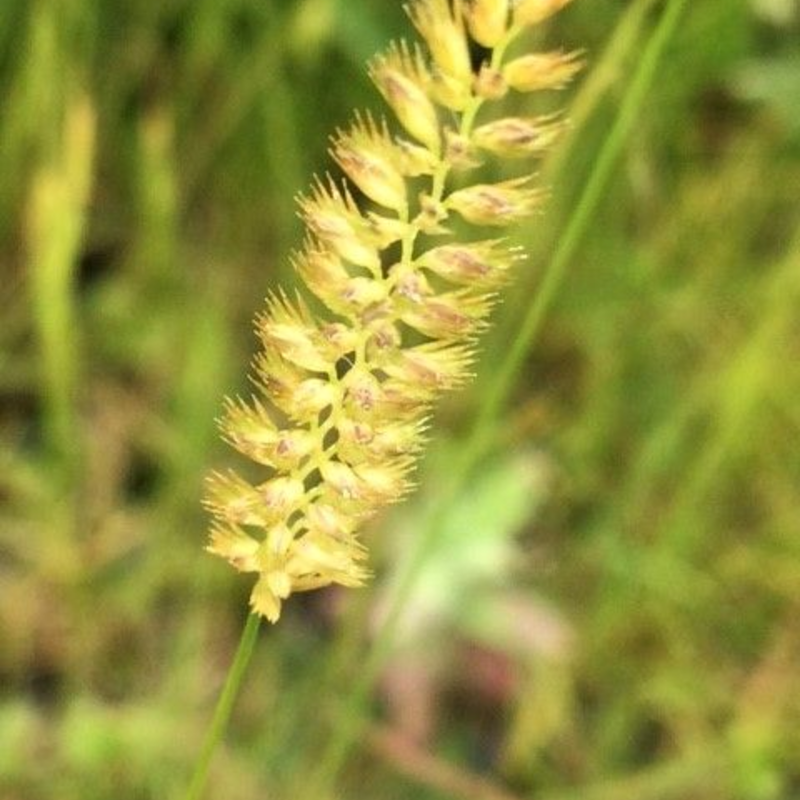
(402, 79)
(520, 137)
(499, 203)
(235, 546)
(484, 264)
(488, 21)
(443, 31)
(334, 218)
(541, 71)
(372, 161)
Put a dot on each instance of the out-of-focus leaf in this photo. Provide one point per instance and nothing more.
(778, 12)
(475, 551)
(774, 82)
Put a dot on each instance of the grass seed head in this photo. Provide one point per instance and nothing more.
(344, 396)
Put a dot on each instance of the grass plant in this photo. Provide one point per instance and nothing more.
(593, 594)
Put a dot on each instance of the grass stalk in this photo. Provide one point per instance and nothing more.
(224, 707)
(744, 385)
(603, 77)
(349, 721)
(500, 388)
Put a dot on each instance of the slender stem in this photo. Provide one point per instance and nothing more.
(502, 384)
(602, 79)
(604, 75)
(350, 718)
(222, 713)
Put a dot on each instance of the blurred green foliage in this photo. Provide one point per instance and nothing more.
(613, 611)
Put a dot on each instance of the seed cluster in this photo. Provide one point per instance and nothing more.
(344, 395)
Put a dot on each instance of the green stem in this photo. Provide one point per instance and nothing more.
(350, 717)
(604, 76)
(503, 382)
(222, 713)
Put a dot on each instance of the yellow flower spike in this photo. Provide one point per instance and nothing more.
(400, 438)
(542, 71)
(412, 285)
(293, 342)
(341, 478)
(488, 21)
(339, 340)
(345, 393)
(360, 442)
(363, 392)
(383, 339)
(355, 441)
(280, 584)
(531, 12)
(281, 495)
(398, 402)
(361, 293)
(249, 427)
(318, 558)
(324, 273)
(385, 483)
(321, 553)
(431, 216)
(386, 230)
(290, 389)
(278, 380)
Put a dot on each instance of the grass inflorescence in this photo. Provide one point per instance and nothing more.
(344, 395)
(593, 590)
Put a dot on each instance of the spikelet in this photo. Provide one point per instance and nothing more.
(541, 71)
(442, 27)
(520, 137)
(343, 399)
(488, 21)
(373, 162)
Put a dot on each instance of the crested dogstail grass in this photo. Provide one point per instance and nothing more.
(646, 358)
(344, 394)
